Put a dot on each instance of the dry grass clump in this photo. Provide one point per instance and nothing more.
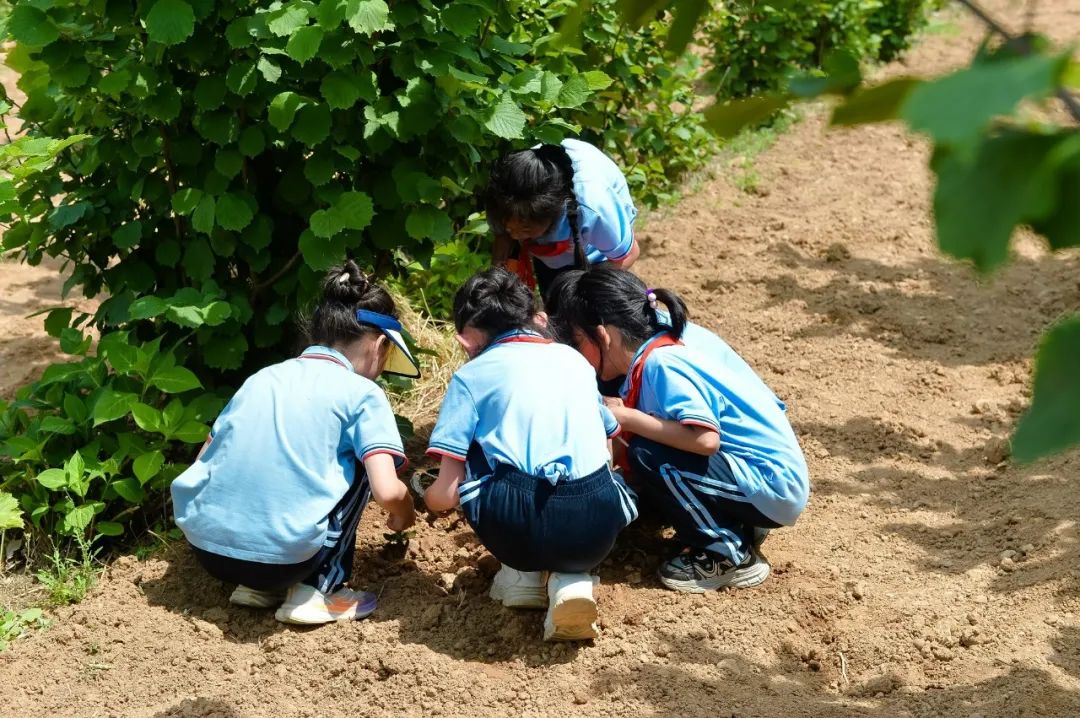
(440, 358)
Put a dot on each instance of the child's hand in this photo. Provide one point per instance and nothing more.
(403, 516)
(613, 402)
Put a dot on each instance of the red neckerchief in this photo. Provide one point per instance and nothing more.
(532, 249)
(633, 392)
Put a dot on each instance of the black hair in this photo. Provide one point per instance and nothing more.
(494, 301)
(615, 298)
(536, 185)
(346, 289)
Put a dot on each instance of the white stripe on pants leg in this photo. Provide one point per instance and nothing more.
(336, 573)
(699, 513)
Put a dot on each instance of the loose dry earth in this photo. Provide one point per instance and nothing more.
(892, 597)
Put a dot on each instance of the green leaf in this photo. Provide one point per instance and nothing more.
(270, 70)
(198, 259)
(186, 200)
(129, 490)
(874, 104)
(30, 26)
(283, 109)
(426, 222)
(203, 219)
(57, 320)
(147, 307)
(114, 83)
(325, 223)
(355, 210)
(574, 92)
(979, 201)
(75, 409)
(955, 109)
(687, 15)
(112, 405)
(340, 89)
(146, 417)
(192, 432)
(210, 92)
(729, 118)
(109, 528)
(227, 351)
(56, 425)
(148, 465)
(175, 380)
(10, 513)
(462, 19)
(367, 16)
(1062, 226)
(252, 142)
(287, 20)
(319, 169)
(242, 78)
(597, 80)
(304, 43)
(232, 212)
(76, 520)
(312, 124)
(228, 163)
(1052, 424)
(73, 341)
(550, 86)
(170, 22)
(52, 479)
(128, 235)
(506, 119)
(319, 253)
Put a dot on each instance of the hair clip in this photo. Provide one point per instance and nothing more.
(651, 296)
(344, 278)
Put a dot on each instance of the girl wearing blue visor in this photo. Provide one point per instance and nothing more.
(527, 459)
(710, 445)
(273, 500)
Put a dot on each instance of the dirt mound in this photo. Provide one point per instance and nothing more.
(928, 577)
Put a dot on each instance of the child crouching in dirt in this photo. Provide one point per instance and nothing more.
(710, 445)
(522, 435)
(274, 498)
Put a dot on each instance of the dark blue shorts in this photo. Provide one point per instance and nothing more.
(531, 525)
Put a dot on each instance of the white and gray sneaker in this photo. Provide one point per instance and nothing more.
(701, 571)
(519, 589)
(572, 612)
(244, 596)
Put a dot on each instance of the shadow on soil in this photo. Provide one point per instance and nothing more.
(929, 309)
(199, 708)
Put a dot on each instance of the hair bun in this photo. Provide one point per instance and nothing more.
(347, 284)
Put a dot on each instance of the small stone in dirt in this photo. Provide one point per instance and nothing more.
(822, 453)
(858, 591)
(837, 252)
(970, 638)
(431, 616)
(997, 451)
(1014, 520)
(942, 653)
(580, 697)
(634, 577)
(1052, 620)
(1027, 548)
(1007, 565)
(1008, 553)
(972, 619)
(663, 650)
(446, 581)
(880, 685)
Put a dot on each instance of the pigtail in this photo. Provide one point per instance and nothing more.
(558, 155)
(676, 311)
(345, 289)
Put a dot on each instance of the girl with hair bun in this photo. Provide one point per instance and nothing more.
(526, 458)
(559, 207)
(274, 498)
(709, 444)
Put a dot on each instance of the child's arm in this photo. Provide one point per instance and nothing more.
(389, 491)
(443, 494)
(702, 440)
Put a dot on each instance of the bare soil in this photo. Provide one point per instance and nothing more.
(928, 577)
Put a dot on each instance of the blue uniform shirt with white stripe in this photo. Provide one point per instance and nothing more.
(533, 406)
(705, 383)
(606, 212)
(282, 455)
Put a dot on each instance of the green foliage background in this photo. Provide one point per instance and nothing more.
(237, 149)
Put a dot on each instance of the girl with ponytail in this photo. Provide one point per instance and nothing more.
(708, 443)
(527, 459)
(559, 207)
(273, 500)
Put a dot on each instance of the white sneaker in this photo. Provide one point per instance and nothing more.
(572, 613)
(307, 605)
(244, 596)
(519, 589)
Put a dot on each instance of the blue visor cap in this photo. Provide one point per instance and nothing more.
(401, 360)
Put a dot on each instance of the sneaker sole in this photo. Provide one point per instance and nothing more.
(291, 615)
(740, 578)
(572, 620)
(520, 598)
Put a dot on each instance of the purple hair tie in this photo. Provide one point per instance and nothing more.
(651, 296)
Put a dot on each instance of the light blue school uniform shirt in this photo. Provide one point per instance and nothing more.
(531, 405)
(606, 213)
(282, 455)
(703, 382)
